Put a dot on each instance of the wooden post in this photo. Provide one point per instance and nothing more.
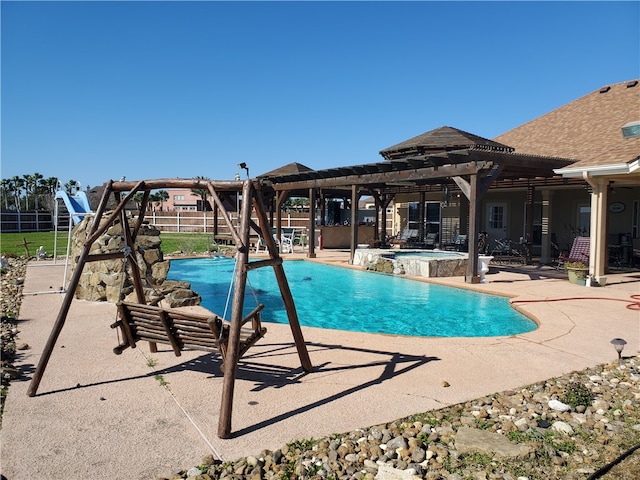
(66, 303)
(354, 222)
(474, 221)
(311, 237)
(287, 298)
(421, 217)
(233, 346)
(527, 241)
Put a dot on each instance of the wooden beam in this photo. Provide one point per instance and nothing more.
(99, 230)
(225, 215)
(190, 183)
(444, 171)
(270, 262)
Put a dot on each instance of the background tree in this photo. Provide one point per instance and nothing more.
(31, 183)
(71, 186)
(138, 199)
(17, 184)
(6, 190)
(162, 196)
(203, 193)
(295, 204)
(49, 187)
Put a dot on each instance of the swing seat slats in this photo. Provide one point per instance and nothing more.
(183, 330)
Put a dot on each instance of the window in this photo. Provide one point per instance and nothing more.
(584, 220)
(496, 216)
(432, 212)
(178, 197)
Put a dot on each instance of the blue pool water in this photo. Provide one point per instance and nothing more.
(344, 299)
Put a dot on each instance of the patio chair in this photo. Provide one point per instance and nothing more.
(579, 252)
(261, 245)
(286, 240)
(459, 243)
(300, 238)
(430, 240)
(406, 238)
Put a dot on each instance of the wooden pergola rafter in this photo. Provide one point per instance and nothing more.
(473, 170)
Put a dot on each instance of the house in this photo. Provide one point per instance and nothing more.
(185, 200)
(601, 130)
(538, 185)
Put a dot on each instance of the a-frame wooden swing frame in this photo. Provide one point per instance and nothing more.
(252, 200)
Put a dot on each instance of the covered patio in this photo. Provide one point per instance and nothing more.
(443, 160)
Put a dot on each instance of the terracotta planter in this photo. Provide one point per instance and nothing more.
(578, 275)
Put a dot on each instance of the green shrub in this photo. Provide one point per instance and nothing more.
(577, 394)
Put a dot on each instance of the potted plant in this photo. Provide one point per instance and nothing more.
(577, 272)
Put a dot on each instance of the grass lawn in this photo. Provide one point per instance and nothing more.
(12, 244)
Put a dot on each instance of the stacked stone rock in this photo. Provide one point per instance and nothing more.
(107, 280)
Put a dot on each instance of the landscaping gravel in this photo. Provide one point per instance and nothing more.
(572, 427)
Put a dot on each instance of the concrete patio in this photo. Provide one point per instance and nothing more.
(142, 415)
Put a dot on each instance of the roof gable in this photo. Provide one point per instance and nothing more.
(440, 140)
(291, 168)
(585, 129)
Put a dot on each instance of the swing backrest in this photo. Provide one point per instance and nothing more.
(182, 329)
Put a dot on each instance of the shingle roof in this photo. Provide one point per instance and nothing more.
(587, 129)
(440, 140)
(289, 169)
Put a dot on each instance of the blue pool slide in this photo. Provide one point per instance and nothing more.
(77, 204)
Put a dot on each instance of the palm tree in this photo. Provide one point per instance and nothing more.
(31, 188)
(6, 190)
(49, 188)
(70, 186)
(17, 184)
(138, 199)
(162, 196)
(203, 193)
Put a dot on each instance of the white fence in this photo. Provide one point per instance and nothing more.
(176, 221)
(204, 222)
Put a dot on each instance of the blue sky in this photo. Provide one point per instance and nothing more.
(93, 91)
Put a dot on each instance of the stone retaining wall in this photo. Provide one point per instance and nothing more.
(411, 265)
(106, 280)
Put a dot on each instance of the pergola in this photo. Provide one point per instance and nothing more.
(473, 171)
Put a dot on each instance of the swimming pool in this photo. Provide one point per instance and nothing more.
(338, 298)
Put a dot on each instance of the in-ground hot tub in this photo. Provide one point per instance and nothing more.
(417, 263)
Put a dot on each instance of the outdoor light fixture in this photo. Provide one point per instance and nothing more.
(618, 344)
(244, 167)
(237, 177)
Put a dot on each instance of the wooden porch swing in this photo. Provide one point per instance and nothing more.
(177, 328)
